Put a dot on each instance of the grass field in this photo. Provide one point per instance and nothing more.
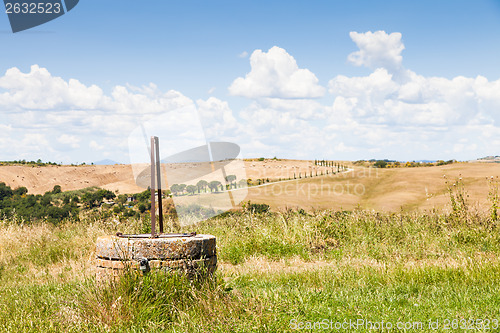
(277, 271)
(392, 190)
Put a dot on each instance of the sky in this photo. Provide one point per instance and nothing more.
(340, 80)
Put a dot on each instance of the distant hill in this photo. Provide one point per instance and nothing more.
(372, 188)
(423, 188)
(106, 162)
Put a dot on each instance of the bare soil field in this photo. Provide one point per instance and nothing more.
(369, 188)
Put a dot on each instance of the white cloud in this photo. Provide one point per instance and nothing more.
(35, 139)
(146, 100)
(51, 116)
(243, 54)
(276, 74)
(341, 147)
(217, 118)
(5, 129)
(396, 96)
(433, 101)
(301, 108)
(70, 140)
(377, 50)
(39, 90)
(392, 112)
(94, 145)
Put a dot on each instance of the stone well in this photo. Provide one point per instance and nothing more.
(194, 255)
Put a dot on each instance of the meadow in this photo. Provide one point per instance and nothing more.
(278, 271)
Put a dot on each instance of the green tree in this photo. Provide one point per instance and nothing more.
(117, 209)
(104, 194)
(5, 191)
(230, 179)
(46, 200)
(89, 199)
(20, 191)
(143, 196)
(201, 185)
(122, 198)
(214, 185)
(175, 189)
(141, 207)
(191, 189)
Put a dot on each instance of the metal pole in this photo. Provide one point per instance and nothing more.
(152, 188)
(158, 176)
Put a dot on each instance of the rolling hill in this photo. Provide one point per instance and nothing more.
(379, 189)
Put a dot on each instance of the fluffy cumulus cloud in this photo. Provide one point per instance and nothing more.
(397, 109)
(278, 130)
(397, 96)
(39, 90)
(276, 74)
(418, 101)
(391, 112)
(217, 118)
(377, 50)
(47, 116)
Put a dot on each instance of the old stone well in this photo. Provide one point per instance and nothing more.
(189, 253)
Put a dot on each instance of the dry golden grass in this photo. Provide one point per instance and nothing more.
(262, 265)
(39, 179)
(380, 189)
(42, 252)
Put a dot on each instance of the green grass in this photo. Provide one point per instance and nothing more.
(256, 302)
(362, 234)
(333, 265)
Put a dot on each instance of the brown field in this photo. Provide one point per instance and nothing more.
(379, 189)
(40, 179)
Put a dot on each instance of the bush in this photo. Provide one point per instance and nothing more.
(380, 164)
(57, 189)
(256, 208)
(141, 207)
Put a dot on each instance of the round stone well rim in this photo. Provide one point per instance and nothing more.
(171, 248)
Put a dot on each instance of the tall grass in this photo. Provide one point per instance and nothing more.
(368, 234)
(326, 264)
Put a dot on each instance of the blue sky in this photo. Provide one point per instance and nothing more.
(343, 109)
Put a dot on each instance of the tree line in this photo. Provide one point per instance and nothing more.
(203, 186)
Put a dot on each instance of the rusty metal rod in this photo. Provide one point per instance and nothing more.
(158, 176)
(152, 188)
